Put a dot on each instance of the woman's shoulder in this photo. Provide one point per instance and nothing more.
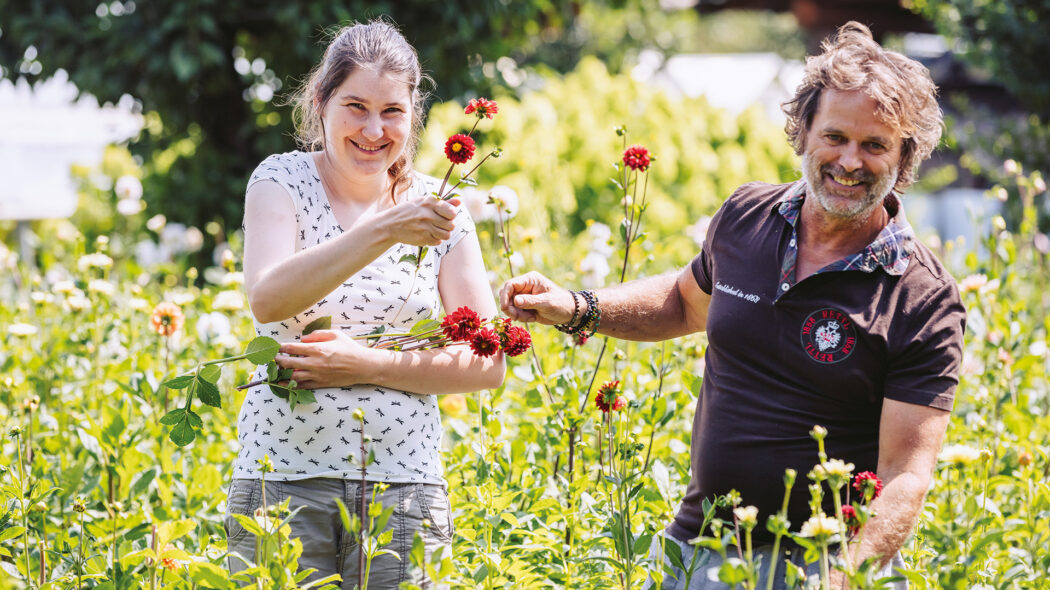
(294, 163)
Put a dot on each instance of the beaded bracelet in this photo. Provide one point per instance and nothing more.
(568, 327)
(589, 325)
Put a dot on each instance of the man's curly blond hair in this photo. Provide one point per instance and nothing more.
(901, 87)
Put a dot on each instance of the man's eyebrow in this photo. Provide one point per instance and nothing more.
(876, 138)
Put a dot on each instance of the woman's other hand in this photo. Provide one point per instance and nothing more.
(327, 358)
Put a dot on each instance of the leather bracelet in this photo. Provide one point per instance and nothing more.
(569, 326)
(592, 318)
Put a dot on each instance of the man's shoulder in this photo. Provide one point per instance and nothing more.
(927, 272)
(756, 198)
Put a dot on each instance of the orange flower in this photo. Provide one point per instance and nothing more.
(166, 319)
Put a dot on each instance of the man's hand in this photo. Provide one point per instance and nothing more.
(327, 358)
(533, 297)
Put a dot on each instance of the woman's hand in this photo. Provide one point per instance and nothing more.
(533, 297)
(327, 358)
(424, 221)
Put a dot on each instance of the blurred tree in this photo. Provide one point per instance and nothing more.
(207, 71)
(1005, 41)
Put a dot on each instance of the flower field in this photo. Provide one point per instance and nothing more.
(558, 479)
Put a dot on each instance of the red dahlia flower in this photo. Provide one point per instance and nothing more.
(484, 342)
(868, 484)
(515, 340)
(849, 516)
(483, 107)
(461, 324)
(636, 158)
(459, 148)
(609, 398)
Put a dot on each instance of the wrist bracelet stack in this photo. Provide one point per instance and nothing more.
(586, 325)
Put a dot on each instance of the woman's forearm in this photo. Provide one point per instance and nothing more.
(294, 284)
(454, 369)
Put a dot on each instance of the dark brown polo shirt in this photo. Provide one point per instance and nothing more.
(783, 357)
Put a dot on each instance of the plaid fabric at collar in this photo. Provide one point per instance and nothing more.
(891, 249)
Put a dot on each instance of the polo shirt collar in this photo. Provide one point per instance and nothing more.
(891, 249)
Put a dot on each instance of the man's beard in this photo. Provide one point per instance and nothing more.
(842, 207)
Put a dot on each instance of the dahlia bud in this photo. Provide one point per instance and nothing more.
(1025, 459)
(79, 505)
(359, 415)
(1011, 167)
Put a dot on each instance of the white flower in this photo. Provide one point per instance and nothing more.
(148, 253)
(821, 525)
(128, 207)
(228, 301)
(77, 301)
(128, 188)
(746, 515)
(599, 232)
(64, 287)
(1011, 167)
(213, 327)
(959, 454)
(698, 231)
(595, 267)
(40, 297)
(474, 200)
(517, 261)
(156, 223)
(233, 278)
(21, 329)
(506, 199)
(173, 236)
(96, 260)
(138, 304)
(837, 467)
(182, 299)
(1038, 184)
(100, 286)
(973, 282)
(193, 239)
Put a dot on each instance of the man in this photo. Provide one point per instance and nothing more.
(821, 308)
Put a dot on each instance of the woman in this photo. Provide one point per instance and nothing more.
(325, 233)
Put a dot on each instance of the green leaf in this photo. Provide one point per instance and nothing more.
(279, 390)
(424, 326)
(271, 371)
(262, 350)
(210, 373)
(410, 258)
(183, 434)
(248, 522)
(11, 533)
(173, 417)
(180, 382)
(194, 419)
(208, 574)
(208, 393)
(321, 323)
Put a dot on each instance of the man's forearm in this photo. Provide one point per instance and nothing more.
(895, 513)
(647, 309)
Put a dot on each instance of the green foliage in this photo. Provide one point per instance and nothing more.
(209, 125)
(1005, 41)
(556, 149)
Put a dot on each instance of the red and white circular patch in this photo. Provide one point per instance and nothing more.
(828, 336)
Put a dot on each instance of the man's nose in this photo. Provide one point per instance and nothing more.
(850, 157)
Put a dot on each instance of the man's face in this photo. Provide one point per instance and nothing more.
(851, 158)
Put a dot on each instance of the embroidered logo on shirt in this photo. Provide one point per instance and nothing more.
(828, 336)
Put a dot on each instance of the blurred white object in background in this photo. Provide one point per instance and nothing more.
(44, 130)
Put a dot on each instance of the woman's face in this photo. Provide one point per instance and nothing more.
(367, 123)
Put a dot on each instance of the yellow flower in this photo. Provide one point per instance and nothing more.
(959, 454)
(453, 404)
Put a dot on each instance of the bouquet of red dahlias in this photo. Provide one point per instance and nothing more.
(485, 337)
